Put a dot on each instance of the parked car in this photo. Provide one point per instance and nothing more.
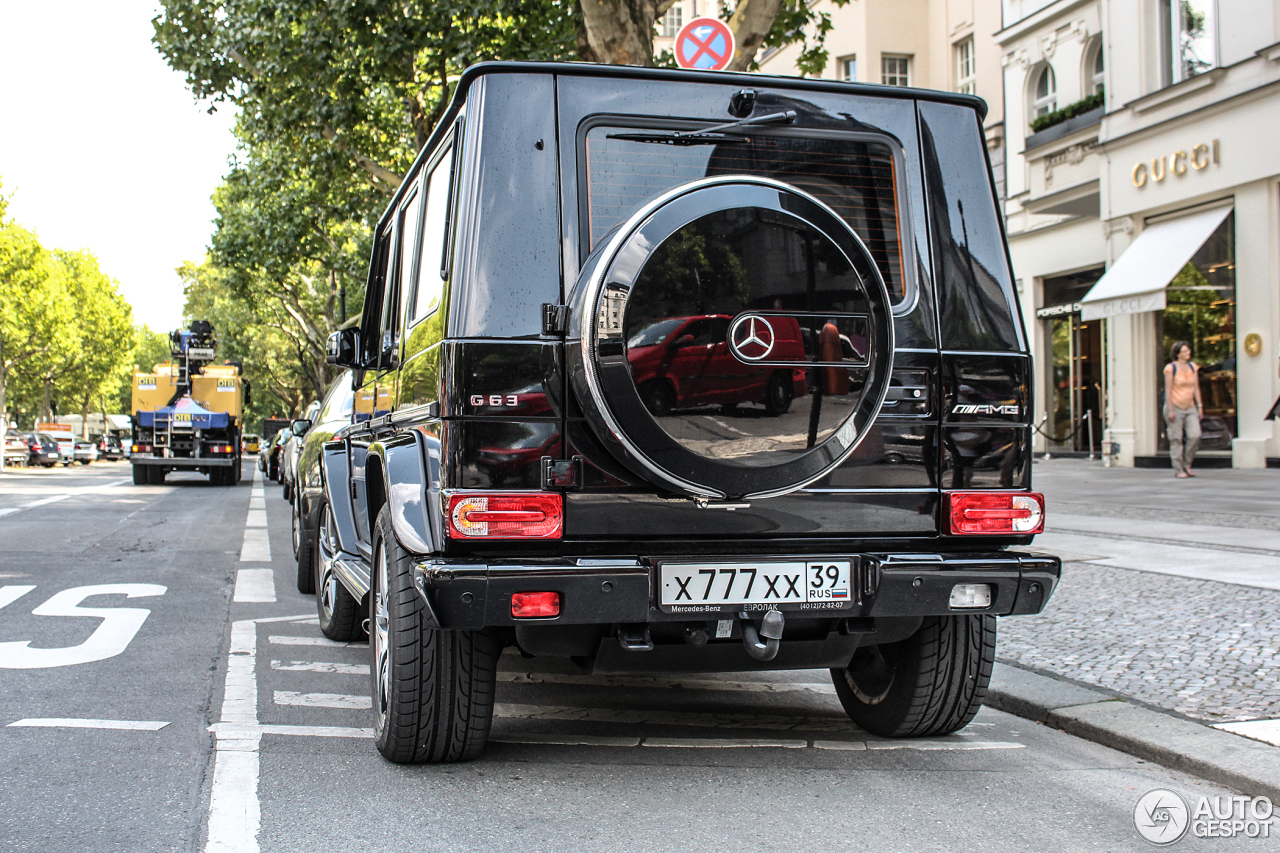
(269, 456)
(508, 476)
(293, 446)
(16, 452)
(43, 449)
(308, 506)
(109, 447)
(85, 451)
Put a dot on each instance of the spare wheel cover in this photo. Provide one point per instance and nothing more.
(734, 339)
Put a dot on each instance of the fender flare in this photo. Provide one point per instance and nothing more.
(411, 468)
(336, 468)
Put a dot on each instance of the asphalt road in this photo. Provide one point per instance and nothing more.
(190, 703)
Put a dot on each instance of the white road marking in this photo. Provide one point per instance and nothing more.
(112, 636)
(69, 723)
(723, 743)
(349, 701)
(255, 586)
(256, 547)
(847, 745)
(1267, 731)
(257, 502)
(12, 592)
(670, 718)
(672, 683)
(235, 730)
(320, 666)
(313, 641)
(84, 490)
(567, 740)
(234, 812)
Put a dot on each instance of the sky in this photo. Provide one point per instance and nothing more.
(103, 147)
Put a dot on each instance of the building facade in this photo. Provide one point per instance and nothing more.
(1143, 208)
(932, 44)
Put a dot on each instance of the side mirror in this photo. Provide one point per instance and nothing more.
(300, 426)
(342, 347)
(683, 341)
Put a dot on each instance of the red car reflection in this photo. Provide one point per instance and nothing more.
(685, 362)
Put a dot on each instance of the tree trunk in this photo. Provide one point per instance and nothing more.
(620, 32)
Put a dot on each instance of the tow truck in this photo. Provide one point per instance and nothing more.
(189, 412)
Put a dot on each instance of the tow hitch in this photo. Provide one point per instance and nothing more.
(770, 629)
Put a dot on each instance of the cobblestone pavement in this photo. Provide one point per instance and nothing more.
(1204, 648)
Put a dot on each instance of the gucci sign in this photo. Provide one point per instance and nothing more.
(1200, 157)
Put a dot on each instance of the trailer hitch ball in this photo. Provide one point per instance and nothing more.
(770, 630)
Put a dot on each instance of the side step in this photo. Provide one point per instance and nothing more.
(353, 573)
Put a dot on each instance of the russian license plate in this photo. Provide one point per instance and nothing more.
(715, 587)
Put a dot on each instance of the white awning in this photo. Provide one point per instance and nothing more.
(1136, 282)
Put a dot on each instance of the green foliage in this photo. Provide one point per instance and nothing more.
(1070, 111)
(800, 22)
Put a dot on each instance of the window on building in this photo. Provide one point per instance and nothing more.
(1190, 36)
(1096, 76)
(672, 21)
(895, 70)
(965, 74)
(1046, 93)
(847, 68)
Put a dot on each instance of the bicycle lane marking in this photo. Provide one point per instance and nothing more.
(255, 586)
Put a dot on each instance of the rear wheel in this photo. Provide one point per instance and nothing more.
(931, 683)
(140, 475)
(155, 475)
(338, 610)
(779, 394)
(433, 690)
(658, 397)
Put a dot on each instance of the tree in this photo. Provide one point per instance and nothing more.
(35, 308)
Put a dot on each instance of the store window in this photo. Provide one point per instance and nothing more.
(895, 70)
(847, 67)
(1190, 38)
(1074, 402)
(1200, 308)
(672, 21)
(966, 77)
(1046, 93)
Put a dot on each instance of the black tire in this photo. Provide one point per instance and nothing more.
(658, 397)
(931, 683)
(285, 491)
(304, 551)
(433, 690)
(140, 475)
(779, 393)
(338, 610)
(155, 475)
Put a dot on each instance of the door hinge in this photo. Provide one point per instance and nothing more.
(555, 319)
(561, 473)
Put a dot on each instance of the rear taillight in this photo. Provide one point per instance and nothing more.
(995, 513)
(515, 515)
(140, 448)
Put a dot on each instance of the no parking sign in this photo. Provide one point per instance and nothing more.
(704, 43)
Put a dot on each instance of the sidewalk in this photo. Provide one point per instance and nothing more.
(1170, 599)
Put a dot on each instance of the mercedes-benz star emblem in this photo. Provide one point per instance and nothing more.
(751, 337)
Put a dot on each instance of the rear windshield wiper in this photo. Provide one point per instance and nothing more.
(707, 135)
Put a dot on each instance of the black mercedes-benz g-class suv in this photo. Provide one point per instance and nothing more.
(683, 371)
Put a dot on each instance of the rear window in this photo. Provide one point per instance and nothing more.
(852, 174)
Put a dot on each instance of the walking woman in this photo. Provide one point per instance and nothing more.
(1182, 408)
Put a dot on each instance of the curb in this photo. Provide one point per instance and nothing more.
(1248, 766)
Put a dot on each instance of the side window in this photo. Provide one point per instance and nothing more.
(337, 405)
(406, 233)
(430, 282)
(375, 295)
